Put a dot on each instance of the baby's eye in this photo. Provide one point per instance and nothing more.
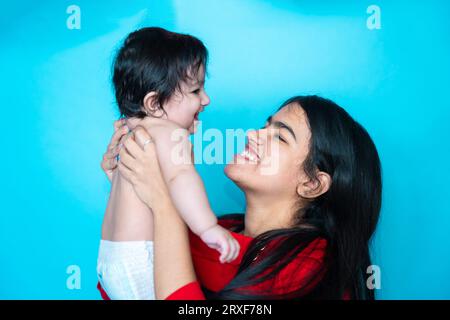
(196, 91)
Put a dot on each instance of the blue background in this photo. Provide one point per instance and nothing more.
(58, 109)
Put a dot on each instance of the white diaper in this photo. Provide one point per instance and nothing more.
(125, 269)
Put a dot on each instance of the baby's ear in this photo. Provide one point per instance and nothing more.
(151, 105)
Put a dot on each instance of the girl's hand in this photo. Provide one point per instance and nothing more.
(109, 161)
(139, 165)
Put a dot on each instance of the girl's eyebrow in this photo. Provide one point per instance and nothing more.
(281, 125)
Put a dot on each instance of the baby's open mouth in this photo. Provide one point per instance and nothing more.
(196, 115)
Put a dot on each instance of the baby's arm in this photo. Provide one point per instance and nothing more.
(189, 195)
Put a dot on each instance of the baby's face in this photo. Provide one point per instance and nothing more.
(184, 107)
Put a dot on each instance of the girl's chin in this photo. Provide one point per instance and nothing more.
(231, 172)
(238, 166)
(238, 175)
(193, 128)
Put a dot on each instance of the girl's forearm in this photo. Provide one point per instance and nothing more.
(173, 266)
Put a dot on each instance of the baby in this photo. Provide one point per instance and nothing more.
(158, 74)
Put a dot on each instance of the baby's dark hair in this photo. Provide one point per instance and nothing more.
(154, 59)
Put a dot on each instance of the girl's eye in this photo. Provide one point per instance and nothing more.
(280, 138)
(196, 91)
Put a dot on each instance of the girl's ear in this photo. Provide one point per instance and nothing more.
(314, 187)
(151, 106)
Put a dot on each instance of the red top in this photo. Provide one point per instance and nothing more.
(215, 276)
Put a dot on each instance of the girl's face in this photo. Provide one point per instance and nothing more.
(184, 107)
(272, 161)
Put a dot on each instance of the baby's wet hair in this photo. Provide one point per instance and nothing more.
(154, 59)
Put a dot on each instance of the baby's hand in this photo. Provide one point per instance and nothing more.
(220, 239)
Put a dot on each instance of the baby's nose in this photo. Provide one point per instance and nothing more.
(205, 100)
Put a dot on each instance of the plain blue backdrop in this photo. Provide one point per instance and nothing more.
(58, 109)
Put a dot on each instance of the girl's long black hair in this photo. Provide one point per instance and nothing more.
(346, 215)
